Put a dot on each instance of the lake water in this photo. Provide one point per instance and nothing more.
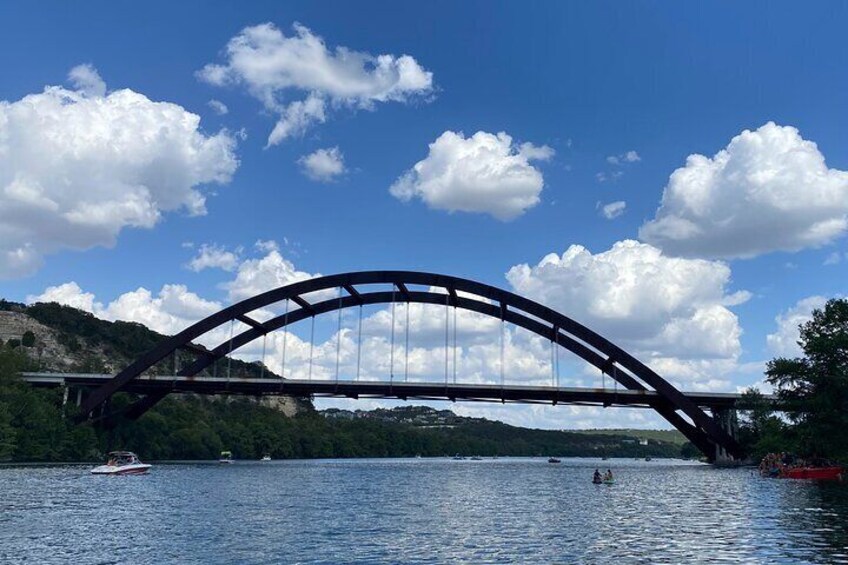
(419, 511)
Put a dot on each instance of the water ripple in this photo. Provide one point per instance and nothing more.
(419, 511)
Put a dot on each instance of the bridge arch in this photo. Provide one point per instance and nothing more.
(701, 428)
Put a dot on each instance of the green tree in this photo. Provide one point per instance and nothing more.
(32, 424)
(760, 430)
(7, 433)
(814, 388)
(12, 361)
(28, 339)
(689, 451)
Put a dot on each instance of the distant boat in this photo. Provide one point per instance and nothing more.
(122, 463)
(554, 460)
(604, 458)
(226, 457)
(476, 458)
(647, 458)
(458, 457)
(266, 457)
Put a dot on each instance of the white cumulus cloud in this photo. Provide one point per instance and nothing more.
(784, 341)
(218, 107)
(613, 209)
(257, 275)
(69, 294)
(174, 307)
(484, 173)
(323, 165)
(168, 312)
(78, 166)
(86, 79)
(627, 157)
(275, 68)
(672, 313)
(214, 257)
(768, 190)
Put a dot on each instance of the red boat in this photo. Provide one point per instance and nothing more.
(822, 473)
(788, 466)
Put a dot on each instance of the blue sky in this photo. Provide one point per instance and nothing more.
(579, 82)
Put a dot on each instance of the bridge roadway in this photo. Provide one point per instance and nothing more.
(149, 384)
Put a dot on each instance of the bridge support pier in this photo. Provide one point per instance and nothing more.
(727, 419)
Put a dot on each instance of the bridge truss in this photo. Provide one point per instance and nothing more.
(359, 289)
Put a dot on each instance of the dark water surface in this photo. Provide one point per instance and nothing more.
(419, 511)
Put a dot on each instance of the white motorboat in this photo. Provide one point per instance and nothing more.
(122, 463)
(226, 457)
(266, 457)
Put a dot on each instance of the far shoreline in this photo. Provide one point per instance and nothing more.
(37, 464)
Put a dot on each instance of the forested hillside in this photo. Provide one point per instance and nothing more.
(34, 426)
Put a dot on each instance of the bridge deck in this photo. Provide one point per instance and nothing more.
(383, 389)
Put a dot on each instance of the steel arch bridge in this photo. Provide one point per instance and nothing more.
(703, 430)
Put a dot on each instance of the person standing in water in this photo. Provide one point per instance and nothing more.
(597, 477)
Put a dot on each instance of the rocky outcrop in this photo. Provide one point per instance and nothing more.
(63, 351)
(285, 404)
(48, 352)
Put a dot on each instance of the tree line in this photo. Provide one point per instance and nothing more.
(34, 426)
(812, 390)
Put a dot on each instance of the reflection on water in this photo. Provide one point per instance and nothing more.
(419, 511)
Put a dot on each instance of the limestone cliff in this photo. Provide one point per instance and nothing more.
(66, 340)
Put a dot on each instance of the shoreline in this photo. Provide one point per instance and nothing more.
(16, 464)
